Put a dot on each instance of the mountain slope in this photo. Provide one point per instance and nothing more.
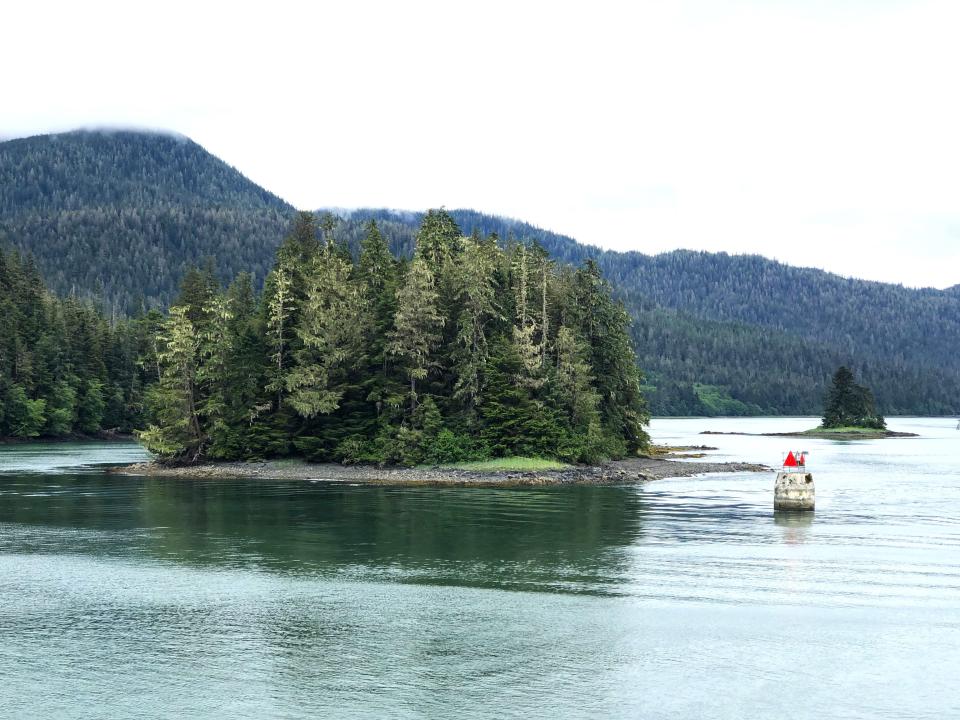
(123, 214)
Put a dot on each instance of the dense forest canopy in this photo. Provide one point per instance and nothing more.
(120, 217)
(65, 370)
(465, 351)
(721, 334)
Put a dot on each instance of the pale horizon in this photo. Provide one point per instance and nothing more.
(819, 135)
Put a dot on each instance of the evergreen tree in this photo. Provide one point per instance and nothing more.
(197, 289)
(437, 239)
(514, 422)
(604, 326)
(526, 330)
(378, 275)
(215, 347)
(417, 325)
(476, 294)
(280, 306)
(302, 244)
(177, 431)
(330, 330)
(849, 404)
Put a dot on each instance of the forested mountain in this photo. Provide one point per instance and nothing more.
(121, 216)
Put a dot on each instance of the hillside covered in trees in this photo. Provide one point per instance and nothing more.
(465, 351)
(120, 217)
(64, 370)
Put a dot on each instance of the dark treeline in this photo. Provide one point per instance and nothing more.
(700, 367)
(467, 350)
(65, 370)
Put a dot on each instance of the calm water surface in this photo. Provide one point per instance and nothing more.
(152, 598)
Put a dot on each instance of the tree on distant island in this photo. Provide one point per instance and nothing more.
(848, 404)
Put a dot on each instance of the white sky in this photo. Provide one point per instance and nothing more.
(817, 132)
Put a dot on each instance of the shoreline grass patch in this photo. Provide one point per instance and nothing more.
(516, 463)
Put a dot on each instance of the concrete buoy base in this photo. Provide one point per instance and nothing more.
(793, 491)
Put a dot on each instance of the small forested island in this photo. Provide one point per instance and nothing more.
(850, 413)
(466, 351)
(849, 408)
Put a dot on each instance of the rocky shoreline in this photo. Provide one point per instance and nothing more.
(633, 470)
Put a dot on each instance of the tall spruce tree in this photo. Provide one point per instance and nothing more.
(378, 274)
(605, 327)
(437, 239)
(848, 404)
(476, 295)
(280, 307)
(528, 338)
(417, 325)
(177, 430)
(330, 329)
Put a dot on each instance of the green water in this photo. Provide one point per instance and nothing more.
(155, 598)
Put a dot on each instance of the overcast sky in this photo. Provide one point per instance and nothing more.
(822, 133)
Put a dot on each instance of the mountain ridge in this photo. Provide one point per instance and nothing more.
(121, 215)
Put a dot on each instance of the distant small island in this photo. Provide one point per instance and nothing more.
(846, 433)
(850, 413)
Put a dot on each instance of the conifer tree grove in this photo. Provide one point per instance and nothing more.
(466, 351)
(848, 404)
(65, 371)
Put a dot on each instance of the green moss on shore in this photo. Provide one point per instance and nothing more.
(509, 464)
(849, 430)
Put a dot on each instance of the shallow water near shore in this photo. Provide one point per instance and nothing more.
(680, 598)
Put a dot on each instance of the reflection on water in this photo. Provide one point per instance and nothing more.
(517, 538)
(794, 518)
(794, 524)
(158, 598)
(53, 458)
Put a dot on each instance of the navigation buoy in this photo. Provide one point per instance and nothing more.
(794, 489)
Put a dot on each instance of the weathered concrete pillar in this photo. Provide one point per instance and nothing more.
(793, 491)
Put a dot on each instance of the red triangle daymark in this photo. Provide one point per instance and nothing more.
(791, 460)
